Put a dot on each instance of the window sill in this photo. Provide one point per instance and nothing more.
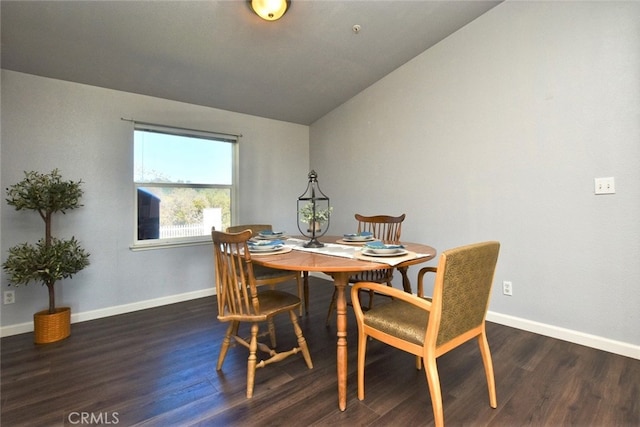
(168, 244)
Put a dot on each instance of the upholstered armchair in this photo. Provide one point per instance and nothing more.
(431, 327)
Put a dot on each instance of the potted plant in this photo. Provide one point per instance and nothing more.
(321, 216)
(50, 259)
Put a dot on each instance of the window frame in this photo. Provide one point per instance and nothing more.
(232, 139)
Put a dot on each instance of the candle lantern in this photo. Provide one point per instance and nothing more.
(314, 212)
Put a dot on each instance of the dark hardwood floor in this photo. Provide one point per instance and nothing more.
(156, 367)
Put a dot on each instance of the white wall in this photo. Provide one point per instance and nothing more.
(497, 133)
(49, 124)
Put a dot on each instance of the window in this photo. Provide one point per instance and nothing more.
(184, 183)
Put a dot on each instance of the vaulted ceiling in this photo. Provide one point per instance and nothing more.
(220, 54)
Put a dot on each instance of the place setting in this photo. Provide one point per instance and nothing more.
(267, 246)
(270, 235)
(357, 239)
(384, 252)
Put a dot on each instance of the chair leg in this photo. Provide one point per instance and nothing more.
(371, 294)
(272, 332)
(488, 368)
(362, 351)
(302, 343)
(225, 344)
(431, 371)
(332, 306)
(251, 363)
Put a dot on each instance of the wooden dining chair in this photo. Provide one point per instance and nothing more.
(271, 276)
(240, 302)
(429, 328)
(386, 228)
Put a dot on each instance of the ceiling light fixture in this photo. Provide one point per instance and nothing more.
(270, 10)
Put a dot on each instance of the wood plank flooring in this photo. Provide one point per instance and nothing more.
(156, 367)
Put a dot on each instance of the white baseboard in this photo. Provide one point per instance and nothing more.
(21, 328)
(576, 337)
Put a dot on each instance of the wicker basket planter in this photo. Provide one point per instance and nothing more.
(48, 328)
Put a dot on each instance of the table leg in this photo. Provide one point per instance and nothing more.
(341, 280)
(305, 281)
(406, 283)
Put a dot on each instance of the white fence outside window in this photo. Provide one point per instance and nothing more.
(186, 230)
(212, 218)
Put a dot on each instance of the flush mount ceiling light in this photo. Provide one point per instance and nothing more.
(270, 10)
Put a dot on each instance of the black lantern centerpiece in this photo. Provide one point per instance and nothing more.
(314, 211)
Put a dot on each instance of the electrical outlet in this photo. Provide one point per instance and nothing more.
(507, 288)
(605, 185)
(9, 297)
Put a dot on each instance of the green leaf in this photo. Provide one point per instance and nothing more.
(45, 263)
(46, 193)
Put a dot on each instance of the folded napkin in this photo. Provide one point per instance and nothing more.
(379, 245)
(271, 233)
(361, 234)
(265, 242)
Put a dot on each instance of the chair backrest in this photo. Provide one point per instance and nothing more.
(255, 228)
(461, 290)
(384, 227)
(235, 281)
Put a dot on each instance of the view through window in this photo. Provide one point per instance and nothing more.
(183, 181)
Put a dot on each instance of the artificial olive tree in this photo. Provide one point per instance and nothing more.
(50, 259)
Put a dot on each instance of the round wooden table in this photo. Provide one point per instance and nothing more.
(341, 269)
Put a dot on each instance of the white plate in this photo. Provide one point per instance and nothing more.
(350, 243)
(282, 250)
(358, 238)
(264, 248)
(369, 252)
(381, 250)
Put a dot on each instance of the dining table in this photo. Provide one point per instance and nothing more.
(340, 260)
